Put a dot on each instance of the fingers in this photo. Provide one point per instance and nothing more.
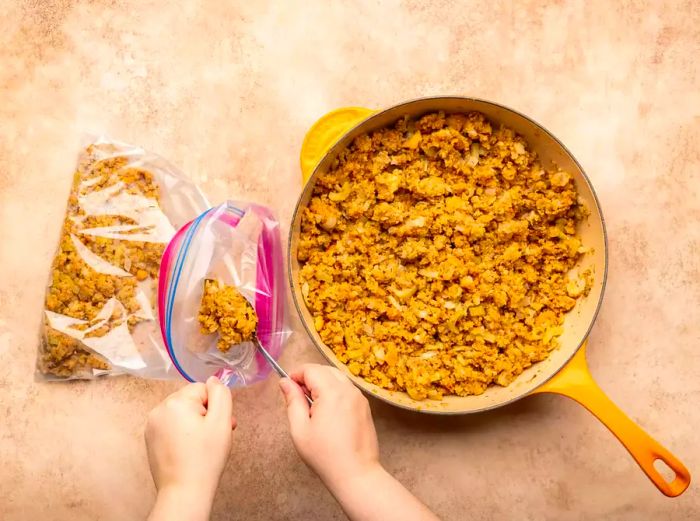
(196, 392)
(320, 379)
(301, 371)
(297, 406)
(192, 397)
(219, 403)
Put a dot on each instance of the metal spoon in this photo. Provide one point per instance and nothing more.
(259, 346)
(273, 363)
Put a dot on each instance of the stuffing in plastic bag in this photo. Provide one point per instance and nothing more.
(99, 315)
(235, 245)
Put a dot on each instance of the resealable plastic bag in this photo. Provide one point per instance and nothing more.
(100, 313)
(237, 244)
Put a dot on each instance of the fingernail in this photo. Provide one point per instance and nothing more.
(213, 379)
(284, 385)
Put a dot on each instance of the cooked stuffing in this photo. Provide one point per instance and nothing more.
(97, 278)
(224, 310)
(437, 257)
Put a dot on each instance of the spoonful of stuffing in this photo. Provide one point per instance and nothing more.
(225, 311)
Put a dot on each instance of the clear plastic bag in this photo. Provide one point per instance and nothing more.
(237, 244)
(99, 313)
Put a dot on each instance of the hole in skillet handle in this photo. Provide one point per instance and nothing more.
(664, 470)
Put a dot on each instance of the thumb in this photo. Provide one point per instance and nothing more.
(219, 402)
(297, 406)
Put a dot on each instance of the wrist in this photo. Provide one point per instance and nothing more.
(374, 494)
(349, 481)
(191, 484)
(182, 501)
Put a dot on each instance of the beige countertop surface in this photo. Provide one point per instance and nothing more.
(226, 90)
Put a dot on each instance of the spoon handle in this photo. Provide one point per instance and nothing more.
(277, 367)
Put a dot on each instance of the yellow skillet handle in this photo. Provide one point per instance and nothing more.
(575, 381)
(324, 134)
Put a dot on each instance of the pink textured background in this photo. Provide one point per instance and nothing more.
(226, 90)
